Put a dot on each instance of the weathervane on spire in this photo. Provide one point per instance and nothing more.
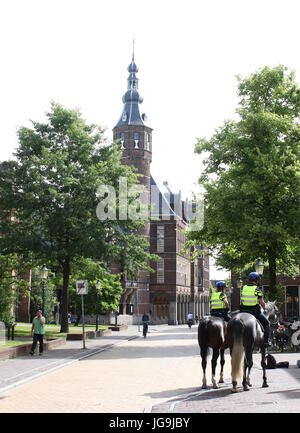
(133, 48)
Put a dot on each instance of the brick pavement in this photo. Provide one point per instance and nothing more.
(159, 374)
(282, 396)
(125, 378)
(14, 372)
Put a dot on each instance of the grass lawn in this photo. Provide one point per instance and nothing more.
(22, 333)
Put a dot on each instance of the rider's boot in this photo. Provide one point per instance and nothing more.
(267, 342)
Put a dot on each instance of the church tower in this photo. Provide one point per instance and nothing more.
(136, 144)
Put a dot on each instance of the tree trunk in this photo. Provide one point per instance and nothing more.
(272, 271)
(65, 296)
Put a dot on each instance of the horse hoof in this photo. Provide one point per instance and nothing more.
(204, 386)
(234, 391)
(246, 388)
(221, 381)
(265, 385)
(215, 387)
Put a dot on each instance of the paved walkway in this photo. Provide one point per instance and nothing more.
(124, 372)
(14, 372)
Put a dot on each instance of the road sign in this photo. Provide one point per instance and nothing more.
(81, 287)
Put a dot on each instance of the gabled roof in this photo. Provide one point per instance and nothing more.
(165, 203)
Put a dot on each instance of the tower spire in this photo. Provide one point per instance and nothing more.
(131, 99)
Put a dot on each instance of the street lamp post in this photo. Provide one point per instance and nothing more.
(44, 275)
(97, 303)
(239, 284)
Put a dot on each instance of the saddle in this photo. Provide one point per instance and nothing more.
(250, 312)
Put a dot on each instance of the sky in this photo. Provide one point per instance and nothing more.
(76, 52)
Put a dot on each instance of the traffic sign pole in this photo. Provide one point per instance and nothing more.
(83, 330)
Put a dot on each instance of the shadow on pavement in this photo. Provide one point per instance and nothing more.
(136, 352)
(200, 394)
(289, 393)
(171, 393)
(172, 337)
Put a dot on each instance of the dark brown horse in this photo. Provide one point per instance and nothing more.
(212, 333)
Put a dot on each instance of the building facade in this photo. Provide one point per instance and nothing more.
(176, 286)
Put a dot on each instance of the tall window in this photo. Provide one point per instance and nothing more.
(136, 140)
(160, 270)
(122, 139)
(148, 141)
(160, 238)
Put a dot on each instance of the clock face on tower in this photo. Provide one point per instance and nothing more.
(124, 117)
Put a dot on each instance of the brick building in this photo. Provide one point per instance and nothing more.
(176, 286)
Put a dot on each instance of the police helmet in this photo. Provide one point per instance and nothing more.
(253, 276)
(221, 284)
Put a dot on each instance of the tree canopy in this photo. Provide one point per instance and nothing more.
(252, 177)
(49, 198)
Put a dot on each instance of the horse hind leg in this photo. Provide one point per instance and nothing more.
(222, 362)
(244, 383)
(203, 353)
(213, 367)
(250, 364)
(263, 364)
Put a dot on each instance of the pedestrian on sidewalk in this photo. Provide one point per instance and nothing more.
(38, 331)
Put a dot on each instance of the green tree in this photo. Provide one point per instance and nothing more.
(252, 177)
(12, 284)
(110, 287)
(51, 191)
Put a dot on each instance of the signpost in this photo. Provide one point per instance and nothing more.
(82, 289)
(97, 302)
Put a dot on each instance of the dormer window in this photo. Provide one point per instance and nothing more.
(136, 140)
(122, 139)
(124, 117)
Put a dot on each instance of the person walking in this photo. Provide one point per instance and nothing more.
(38, 331)
(251, 302)
(145, 322)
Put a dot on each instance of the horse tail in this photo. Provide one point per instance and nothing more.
(235, 332)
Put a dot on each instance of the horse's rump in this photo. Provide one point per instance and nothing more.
(211, 332)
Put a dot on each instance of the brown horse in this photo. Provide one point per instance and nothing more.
(212, 332)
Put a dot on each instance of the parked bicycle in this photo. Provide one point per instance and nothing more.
(286, 336)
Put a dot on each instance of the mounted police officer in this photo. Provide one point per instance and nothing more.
(218, 302)
(252, 300)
